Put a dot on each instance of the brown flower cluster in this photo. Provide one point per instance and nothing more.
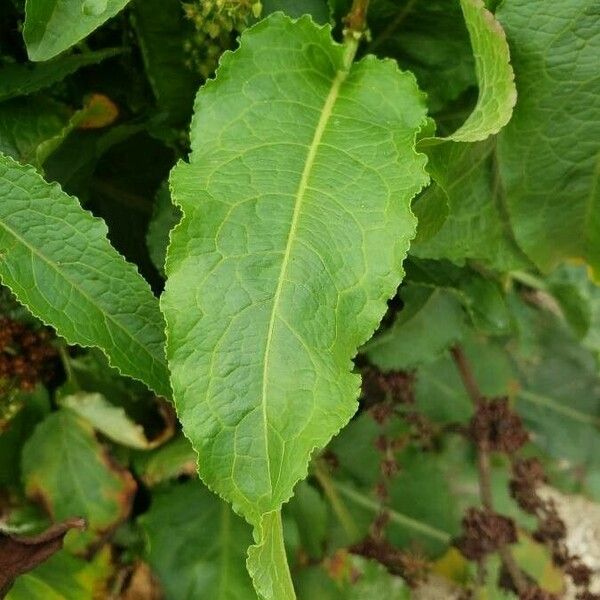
(382, 391)
(495, 427)
(528, 475)
(26, 355)
(484, 532)
(411, 566)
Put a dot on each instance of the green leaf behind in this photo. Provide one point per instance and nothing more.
(52, 26)
(68, 471)
(550, 152)
(196, 545)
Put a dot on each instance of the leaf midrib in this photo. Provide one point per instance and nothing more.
(326, 113)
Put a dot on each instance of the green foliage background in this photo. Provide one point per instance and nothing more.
(226, 258)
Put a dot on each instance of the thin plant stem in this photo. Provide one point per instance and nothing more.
(484, 467)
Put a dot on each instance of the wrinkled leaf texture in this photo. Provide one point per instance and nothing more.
(296, 221)
(56, 259)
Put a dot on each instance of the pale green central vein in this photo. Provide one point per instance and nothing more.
(298, 201)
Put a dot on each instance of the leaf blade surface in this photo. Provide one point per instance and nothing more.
(296, 221)
(57, 261)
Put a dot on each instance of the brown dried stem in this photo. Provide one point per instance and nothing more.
(356, 20)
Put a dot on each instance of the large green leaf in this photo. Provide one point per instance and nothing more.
(52, 26)
(196, 545)
(296, 221)
(550, 152)
(56, 259)
(67, 470)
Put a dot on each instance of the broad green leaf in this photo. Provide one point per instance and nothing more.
(430, 321)
(64, 577)
(68, 472)
(477, 227)
(26, 123)
(52, 26)
(481, 296)
(196, 545)
(296, 221)
(162, 31)
(579, 298)
(550, 152)
(431, 520)
(56, 259)
(110, 420)
(20, 79)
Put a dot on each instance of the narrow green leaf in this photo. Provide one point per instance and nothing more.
(196, 545)
(550, 152)
(56, 259)
(68, 472)
(497, 92)
(24, 78)
(52, 26)
(296, 222)
(110, 420)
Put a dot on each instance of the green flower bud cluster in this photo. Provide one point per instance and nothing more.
(216, 23)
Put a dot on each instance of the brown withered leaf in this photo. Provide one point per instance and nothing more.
(19, 554)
